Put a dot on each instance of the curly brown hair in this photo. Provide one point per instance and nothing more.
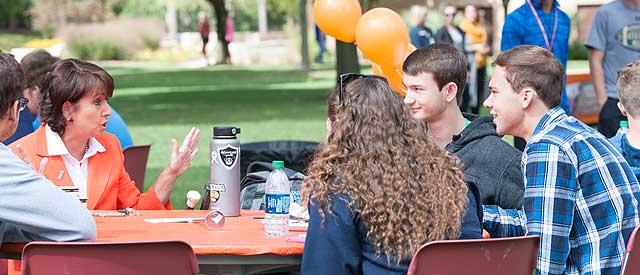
(406, 189)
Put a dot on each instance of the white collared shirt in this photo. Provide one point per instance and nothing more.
(78, 170)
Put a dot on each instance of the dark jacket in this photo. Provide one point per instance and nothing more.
(443, 36)
(421, 36)
(491, 162)
(339, 244)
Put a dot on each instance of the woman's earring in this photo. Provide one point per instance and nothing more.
(70, 119)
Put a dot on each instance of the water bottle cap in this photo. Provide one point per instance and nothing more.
(277, 164)
(624, 124)
(225, 131)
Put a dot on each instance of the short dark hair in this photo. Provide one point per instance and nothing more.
(534, 67)
(443, 61)
(11, 82)
(70, 80)
(35, 65)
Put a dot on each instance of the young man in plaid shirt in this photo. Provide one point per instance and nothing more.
(581, 196)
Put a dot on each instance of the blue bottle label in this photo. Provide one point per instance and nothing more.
(277, 203)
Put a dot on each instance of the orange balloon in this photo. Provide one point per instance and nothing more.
(394, 78)
(409, 50)
(382, 36)
(376, 69)
(338, 18)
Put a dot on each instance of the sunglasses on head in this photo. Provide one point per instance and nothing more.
(345, 79)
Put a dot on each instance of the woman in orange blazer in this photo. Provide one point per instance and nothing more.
(73, 149)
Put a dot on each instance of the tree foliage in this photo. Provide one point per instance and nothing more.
(13, 14)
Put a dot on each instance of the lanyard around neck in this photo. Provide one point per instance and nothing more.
(548, 43)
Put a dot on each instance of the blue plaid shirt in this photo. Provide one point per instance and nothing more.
(580, 197)
(521, 28)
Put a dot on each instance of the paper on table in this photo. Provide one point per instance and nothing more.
(173, 220)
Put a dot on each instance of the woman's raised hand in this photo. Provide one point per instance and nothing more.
(181, 157)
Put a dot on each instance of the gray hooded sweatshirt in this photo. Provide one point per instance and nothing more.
(491, 162)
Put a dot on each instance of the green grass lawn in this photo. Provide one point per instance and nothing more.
(267, 103)
(161, 103)
(9, 41)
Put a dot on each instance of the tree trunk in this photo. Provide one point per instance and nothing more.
(304, 47)
(13, 21)
(346, 58)
(505, 3)
(221, 29)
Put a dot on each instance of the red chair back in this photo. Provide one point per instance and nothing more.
(125, 258)
(135, 162)
(632, 258)
(514, 256)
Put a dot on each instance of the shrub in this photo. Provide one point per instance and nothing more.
(97, 50)
(112, 40)
(578, 51)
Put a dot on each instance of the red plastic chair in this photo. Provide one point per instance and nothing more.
(513, 256)
(125, 258)
(135, 162)
(631, 260)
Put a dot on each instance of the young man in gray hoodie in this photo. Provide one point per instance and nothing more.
(435, 77)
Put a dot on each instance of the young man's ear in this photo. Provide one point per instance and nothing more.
(450, 91)
(527, 95)
(622, 109)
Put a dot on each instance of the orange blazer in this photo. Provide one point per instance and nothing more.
(109, 185)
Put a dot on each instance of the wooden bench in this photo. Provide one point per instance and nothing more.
(587, 118)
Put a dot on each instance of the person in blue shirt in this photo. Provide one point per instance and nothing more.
(420, 35)
(34, 67)
(627, 141)
(379, 189)
(581, 197)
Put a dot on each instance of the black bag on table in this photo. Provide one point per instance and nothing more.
(252, 185)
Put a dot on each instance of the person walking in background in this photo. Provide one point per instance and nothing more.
(454, 35)
(477, 35)
(204, 29)
(229, 31)
(614, 41)
(540, 23)
(321, 39)
(421, 36)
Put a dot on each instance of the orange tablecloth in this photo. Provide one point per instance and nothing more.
(241, 236)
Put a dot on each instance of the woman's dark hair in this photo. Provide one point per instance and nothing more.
(70, 80)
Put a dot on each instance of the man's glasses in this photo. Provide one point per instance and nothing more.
(345, 79)
(22, 102)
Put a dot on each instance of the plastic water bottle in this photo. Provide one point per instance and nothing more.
(277, 201)
(624, 125)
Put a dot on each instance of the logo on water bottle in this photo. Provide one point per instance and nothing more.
(228, 156)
